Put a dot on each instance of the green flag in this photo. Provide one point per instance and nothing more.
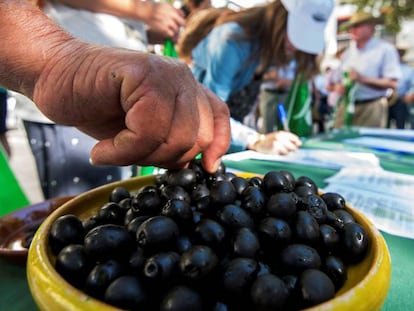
(299, 110)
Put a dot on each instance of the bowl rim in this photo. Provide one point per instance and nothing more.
(43, 269)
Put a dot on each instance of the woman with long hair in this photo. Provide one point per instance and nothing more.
(228, 49)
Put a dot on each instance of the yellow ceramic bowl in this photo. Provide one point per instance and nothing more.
(365, 289)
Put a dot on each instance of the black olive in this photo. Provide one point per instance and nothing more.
(289, 176)
(239, 184)
(198, 262)
(239, 276)
(65, 230)
(111, 213)
(147, 201)
(274, 233)
(256, 181)
(157, 233)
(118, 194)
(282, 205)
(333, 220)
(308, 182)
(333, 200)
(180, 211)
(200, 197)
(73, 265)
(183, 244)
(108, 242)
(316, 287)
(196, 166)
(136, 261)
(253, 200)
(222, 192)
(125, 204)
(126, 292)
(299, 257)
(335, 268)
(185, 178)
(274, 182)
(354, 242)
(246, 243)
(304, 191)
(101, 276)
(235, 217)
(330, 238)
(306, 228)
(181, 298)
(316, 207)
(162, 266)
(169, 192)
(134, 224)
(211, 233)
(344, 215)
(269, 292)
(91, 222)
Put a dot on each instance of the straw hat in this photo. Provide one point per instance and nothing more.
(359, 18)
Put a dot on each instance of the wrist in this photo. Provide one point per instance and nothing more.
(254, 139)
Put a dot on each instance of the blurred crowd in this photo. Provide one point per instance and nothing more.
(267, 63)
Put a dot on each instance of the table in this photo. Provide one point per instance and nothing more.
(15, 294)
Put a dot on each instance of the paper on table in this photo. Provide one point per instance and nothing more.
(390, 214)
(376, 180)
(384, 197)
(319, 158)
(390, 133)
(382, 144)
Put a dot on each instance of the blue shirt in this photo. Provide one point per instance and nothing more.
(377, 59)
(407, 80)
(225, 64)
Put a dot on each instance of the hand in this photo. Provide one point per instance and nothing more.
(279, 142)
(163, 19)
(354, 75)
(144, 109)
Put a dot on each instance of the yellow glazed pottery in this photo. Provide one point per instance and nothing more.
(365, 289)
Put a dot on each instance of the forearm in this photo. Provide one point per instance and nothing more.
(30, 40)
(134, 9)
(378, 83)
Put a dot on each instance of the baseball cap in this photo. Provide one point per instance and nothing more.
(306, 23)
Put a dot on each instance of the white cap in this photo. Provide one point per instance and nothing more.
(306, 23)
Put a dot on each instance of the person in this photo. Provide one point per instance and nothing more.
(129, 24)
(190, 7)
(273, 91)
(4, 142)
(409, 99)
(372, 67)
(321, 108)
(398, 111)
(61, 152)
(141, 108)
(242, 45)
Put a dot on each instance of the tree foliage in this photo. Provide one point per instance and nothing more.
(394, 11)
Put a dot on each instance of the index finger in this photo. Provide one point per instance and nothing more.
(211, 156)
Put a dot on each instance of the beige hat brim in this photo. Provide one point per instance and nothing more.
(356, 22)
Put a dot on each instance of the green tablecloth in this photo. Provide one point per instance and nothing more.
(15, 294)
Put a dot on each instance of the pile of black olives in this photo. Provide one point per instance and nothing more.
(197, 241)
